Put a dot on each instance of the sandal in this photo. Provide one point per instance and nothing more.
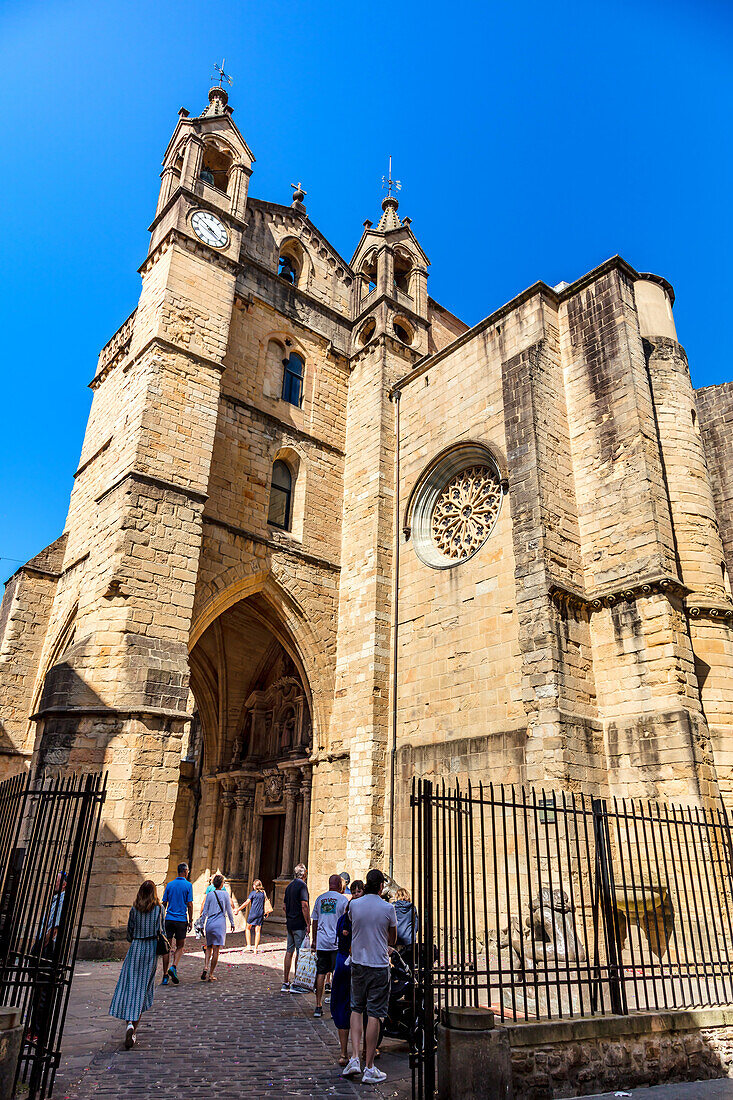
(204, 975)
(213, 979)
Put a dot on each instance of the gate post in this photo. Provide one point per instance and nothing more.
(604, 873)
(428, 942)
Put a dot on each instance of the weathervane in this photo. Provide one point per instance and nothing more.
(389, 183)
(222, 75)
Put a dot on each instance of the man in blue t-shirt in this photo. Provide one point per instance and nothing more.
(178, 908)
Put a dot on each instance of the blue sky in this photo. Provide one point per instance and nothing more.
(533, 141)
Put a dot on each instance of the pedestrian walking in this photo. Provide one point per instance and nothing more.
(297, 920)
(341, 985)
(178, 906)
(406, 914)
(325, 917)
(373, 932)
(217, 907)
(135, 987)
(256, 915)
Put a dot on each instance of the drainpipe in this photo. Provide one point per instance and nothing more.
(395, 615)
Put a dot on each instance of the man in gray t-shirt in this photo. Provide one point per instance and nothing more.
(373, 932)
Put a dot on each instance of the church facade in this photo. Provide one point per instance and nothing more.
(324, 537)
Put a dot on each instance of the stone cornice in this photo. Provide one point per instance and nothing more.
(272, 545)
(176, 236)
(166, 345)
(99, 451)
(202, 203)
(541, 289)
(383, 339)
(281, 425)
(156, 482)
(158, 712)
(610, 595)
(397, 305)
(700, 606)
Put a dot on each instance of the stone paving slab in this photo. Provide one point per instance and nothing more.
(212, 1040)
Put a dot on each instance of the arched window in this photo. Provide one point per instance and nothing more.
(215, 167)
(293, 379)
(290, 261)
(402, 269)
(369, 273)
(279, 513)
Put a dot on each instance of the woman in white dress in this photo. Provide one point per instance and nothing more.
(217, 907)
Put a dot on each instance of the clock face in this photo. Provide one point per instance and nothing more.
(209, 229)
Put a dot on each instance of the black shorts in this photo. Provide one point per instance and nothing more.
(176, 930)
(325, 962)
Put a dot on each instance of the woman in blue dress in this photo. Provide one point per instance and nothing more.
(341, 981)
(256, 914)
(217, 907)
(135, 987)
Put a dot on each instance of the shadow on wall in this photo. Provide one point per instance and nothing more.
(101, 738)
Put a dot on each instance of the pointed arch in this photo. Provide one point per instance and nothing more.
(289, 625)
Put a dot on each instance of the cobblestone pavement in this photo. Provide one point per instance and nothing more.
(237, 1036)
(697, 1090)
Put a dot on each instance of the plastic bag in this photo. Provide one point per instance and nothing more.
(305, 973)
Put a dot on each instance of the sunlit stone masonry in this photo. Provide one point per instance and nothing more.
(276, 435)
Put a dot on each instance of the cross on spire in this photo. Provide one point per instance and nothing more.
(219, 69)
(389, 183)
(298, 187)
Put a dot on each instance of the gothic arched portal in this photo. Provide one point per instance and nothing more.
(244, 801)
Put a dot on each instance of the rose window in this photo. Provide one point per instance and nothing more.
(465, 512)
(456, 504)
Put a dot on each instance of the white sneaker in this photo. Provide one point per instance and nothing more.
(294, 989)
(353, 1069)
(373, 1076)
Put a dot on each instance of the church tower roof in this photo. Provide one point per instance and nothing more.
(218, 103)
(389, 219)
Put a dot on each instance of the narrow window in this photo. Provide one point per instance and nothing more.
(281, 492)
(293, 379)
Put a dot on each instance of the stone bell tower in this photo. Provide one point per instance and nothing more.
(116, 698)
(391, 332)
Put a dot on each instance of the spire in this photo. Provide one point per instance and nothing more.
(217, 104)
(218, 97)
(389, 219)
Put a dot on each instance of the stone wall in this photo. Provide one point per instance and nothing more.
(24, 617)
(715, 408)
(584, 1057)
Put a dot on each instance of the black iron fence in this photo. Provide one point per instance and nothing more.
(48, 833)
(550, 905)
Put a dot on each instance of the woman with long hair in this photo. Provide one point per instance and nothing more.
(217, 907)
(256, 914)
(340, 1003)
(135, 987)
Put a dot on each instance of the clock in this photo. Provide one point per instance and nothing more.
(209, 229)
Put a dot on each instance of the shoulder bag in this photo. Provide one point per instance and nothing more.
(162, 946)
